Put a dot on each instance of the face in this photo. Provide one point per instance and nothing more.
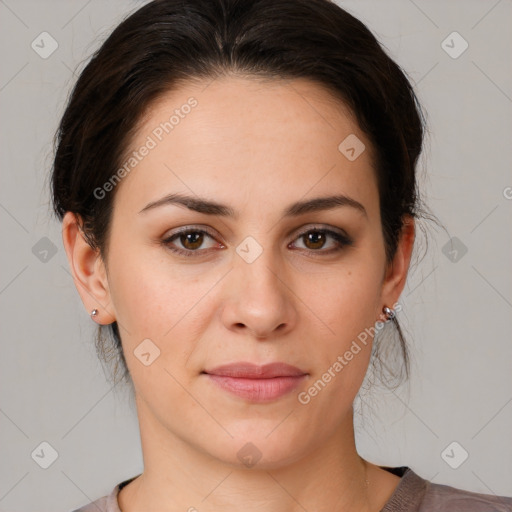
(253, 270)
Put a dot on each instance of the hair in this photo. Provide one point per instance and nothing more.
(168, 42)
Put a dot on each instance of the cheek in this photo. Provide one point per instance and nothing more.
(347, 304)
(149, 292)
(153, 308)
(157, 300)
(143, 298)
(347, 300)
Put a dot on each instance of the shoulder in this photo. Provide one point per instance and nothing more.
(416, 494)
(103, 504)
(99, 505)
(444, 497)
(106, 503)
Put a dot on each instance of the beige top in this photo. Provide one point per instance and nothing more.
(412, 494)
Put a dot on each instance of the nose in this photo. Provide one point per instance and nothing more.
(258, 300)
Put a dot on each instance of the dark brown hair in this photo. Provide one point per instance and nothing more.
(167, 42)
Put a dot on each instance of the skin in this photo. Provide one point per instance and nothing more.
(257, 146)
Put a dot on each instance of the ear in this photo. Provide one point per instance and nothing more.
(88, 270)
(396, 271)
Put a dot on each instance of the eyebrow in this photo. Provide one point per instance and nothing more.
(207, 207)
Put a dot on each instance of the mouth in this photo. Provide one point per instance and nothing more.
(257, 383)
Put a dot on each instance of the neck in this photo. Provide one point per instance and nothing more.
(180, 476)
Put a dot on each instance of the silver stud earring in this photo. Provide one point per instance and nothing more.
(94, 312)
(390, 313)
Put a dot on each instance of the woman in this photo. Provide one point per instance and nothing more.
(236, 181)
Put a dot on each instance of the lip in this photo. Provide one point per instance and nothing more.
(257, 383)
(253, 371)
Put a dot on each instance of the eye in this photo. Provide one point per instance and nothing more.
(191, 240)
(315, 239)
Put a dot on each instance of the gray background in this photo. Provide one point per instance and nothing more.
(457, 307)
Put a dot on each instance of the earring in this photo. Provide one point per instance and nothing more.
(390, 313)
(94, 312)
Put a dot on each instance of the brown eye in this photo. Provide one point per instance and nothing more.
(314, 239)
(192, 240)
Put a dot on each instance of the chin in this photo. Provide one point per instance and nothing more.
(255, 448)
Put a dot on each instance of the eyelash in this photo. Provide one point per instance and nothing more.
(341, 239)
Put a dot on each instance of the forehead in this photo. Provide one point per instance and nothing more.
(243, 139)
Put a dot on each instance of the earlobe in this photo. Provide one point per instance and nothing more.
(397, 270)
(88, 271)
